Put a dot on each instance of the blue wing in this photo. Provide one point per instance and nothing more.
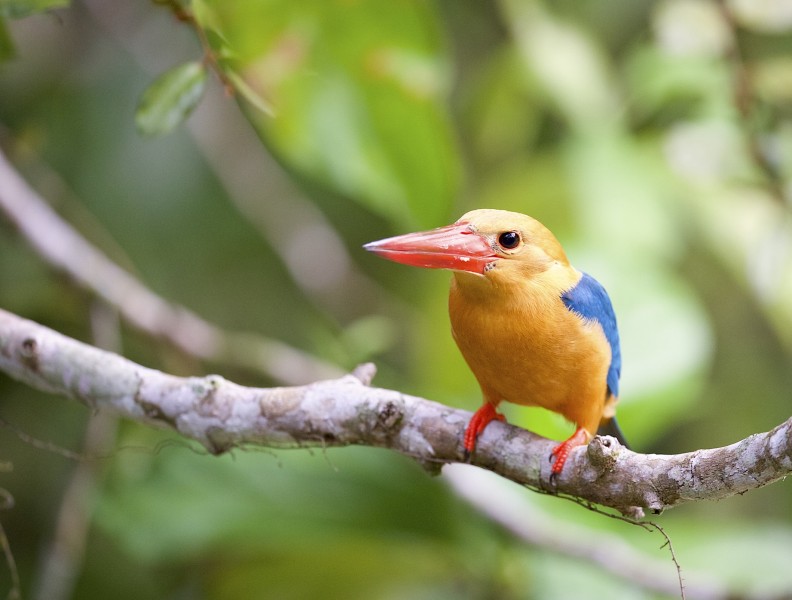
(590, 300)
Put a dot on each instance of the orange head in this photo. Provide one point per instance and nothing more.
(493, 244)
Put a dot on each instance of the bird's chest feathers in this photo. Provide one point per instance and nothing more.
(535, 322)
(525, 346)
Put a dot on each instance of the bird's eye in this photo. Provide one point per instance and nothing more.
(509, 239)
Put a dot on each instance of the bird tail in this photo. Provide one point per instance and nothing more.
(611, 427)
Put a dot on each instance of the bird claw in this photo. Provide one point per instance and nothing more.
(481, 418)
(554, 472)
(561, 452)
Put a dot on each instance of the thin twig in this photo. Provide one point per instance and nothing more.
(673, 556)
(711, 591)
(41, 444)
(210, 58)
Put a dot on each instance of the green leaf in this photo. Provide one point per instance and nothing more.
(15, 9)
(349, 95)
(6, 43)
(170, 99)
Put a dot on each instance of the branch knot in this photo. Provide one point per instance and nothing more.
(603, 452)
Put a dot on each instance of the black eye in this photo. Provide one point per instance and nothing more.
(509, 239)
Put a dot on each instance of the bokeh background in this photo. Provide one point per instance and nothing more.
(655, 140)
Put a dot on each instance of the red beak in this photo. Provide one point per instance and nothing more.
(455, 247)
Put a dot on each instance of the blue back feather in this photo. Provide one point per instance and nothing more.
(590, 300)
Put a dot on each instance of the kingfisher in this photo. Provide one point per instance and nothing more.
(534, 330)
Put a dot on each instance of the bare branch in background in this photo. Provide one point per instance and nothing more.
(503, 504)
(62, 247)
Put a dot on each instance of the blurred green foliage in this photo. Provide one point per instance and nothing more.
(171, 98)
(24, 8)
(350, 94)
(654, 138)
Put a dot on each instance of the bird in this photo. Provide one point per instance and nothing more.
(534, 330)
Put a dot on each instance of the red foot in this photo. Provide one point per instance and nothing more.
(481, 418)
(561, 452)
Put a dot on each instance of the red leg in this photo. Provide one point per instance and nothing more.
(561, 452)
(481, 418)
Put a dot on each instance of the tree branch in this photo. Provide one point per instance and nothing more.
(222, 415)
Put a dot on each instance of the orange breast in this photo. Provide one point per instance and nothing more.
(526, 347)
